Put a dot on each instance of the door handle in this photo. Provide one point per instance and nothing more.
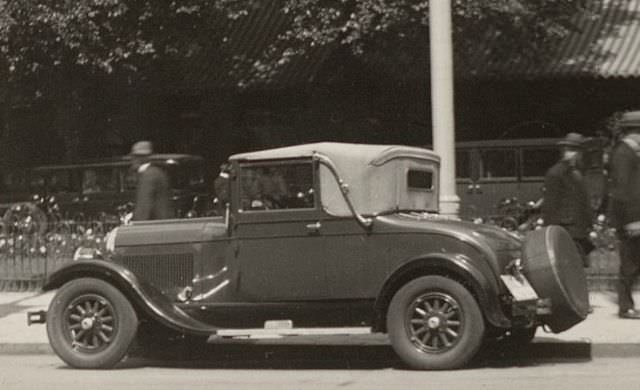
(314, 228)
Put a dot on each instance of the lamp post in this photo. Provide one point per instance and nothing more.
(441, 45)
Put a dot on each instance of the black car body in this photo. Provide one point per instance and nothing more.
(320, 237)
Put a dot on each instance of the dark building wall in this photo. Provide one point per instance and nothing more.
(215, 123)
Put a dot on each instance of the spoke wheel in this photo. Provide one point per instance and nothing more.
(91, 324)
(435, 323)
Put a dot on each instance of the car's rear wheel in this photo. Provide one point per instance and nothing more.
(91, 324)
(435, 323)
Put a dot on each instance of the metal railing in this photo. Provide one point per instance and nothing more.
(27, 258)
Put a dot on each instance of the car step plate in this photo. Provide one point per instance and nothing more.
(273, 332)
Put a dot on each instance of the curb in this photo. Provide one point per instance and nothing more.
(25, 349)
(547, 350)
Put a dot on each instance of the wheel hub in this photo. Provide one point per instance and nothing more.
(434, 322)
(87, 323)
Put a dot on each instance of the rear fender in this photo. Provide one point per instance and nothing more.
(454, 266)
(144, 297)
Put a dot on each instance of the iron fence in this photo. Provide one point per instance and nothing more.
(28, 257)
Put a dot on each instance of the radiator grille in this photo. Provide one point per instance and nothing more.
(162, 271)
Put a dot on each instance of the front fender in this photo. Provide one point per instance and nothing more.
(458, 266)
(143, 296)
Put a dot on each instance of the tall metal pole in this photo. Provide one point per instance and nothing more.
(441, 43)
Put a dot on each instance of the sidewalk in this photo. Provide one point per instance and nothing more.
(602, 334)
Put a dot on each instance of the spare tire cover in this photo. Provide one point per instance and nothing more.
(555, 270)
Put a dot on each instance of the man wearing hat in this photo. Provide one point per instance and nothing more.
(152, 190)
(625, 208)
(566, 199)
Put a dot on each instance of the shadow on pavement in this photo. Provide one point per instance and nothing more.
(339, 357)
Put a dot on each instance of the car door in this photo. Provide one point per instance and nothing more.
(280, 249)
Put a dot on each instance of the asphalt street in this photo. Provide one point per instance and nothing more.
(48, 372)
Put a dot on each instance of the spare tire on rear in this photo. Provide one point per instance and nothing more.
(555, 270)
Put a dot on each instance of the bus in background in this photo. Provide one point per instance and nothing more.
(489, 171)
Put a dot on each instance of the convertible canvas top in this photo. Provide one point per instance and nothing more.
(359, 154)
(377, 175)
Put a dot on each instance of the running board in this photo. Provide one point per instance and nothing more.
(269, 332)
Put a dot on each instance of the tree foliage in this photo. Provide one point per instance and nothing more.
(498, 31)
(44, 37)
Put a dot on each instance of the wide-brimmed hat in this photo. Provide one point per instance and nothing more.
(630, 119)
(572, 140)
(141, 149)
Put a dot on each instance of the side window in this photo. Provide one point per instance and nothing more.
(37, 182)
(419, 180)
(463, 163)
(498, 164)
(14, 182)
(276, 186)
(96, 180)
(536, 161)
(59, 181)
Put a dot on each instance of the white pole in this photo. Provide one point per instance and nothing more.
(441, 43)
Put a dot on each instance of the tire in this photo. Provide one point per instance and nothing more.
(554, 267)
(448, 313)
(91, 324)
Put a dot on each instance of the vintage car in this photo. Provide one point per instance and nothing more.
(318, 239)
(94, 191)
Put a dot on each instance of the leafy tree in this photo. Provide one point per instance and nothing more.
(397, 31)
(59, 49)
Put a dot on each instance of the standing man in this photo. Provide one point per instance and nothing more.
(625, 208)
(152, 189)
(566, 199)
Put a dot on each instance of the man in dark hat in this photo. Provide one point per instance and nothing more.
(566, 199)
(625, 208)
(152, 189)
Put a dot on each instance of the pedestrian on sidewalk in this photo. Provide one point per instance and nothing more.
(566, 198)
(152, 187)
(625, 208)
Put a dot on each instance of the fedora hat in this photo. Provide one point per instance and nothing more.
(141, 148)
(630, 119)
(572, 140)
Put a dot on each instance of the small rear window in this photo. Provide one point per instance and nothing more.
(420, 180)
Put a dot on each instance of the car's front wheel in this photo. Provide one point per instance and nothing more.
(435, 323)
(91, 324)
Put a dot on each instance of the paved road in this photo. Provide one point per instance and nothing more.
(47, 372)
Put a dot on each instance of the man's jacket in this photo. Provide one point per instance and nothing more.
(566, 200)
(625, 182)
(152, 194)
